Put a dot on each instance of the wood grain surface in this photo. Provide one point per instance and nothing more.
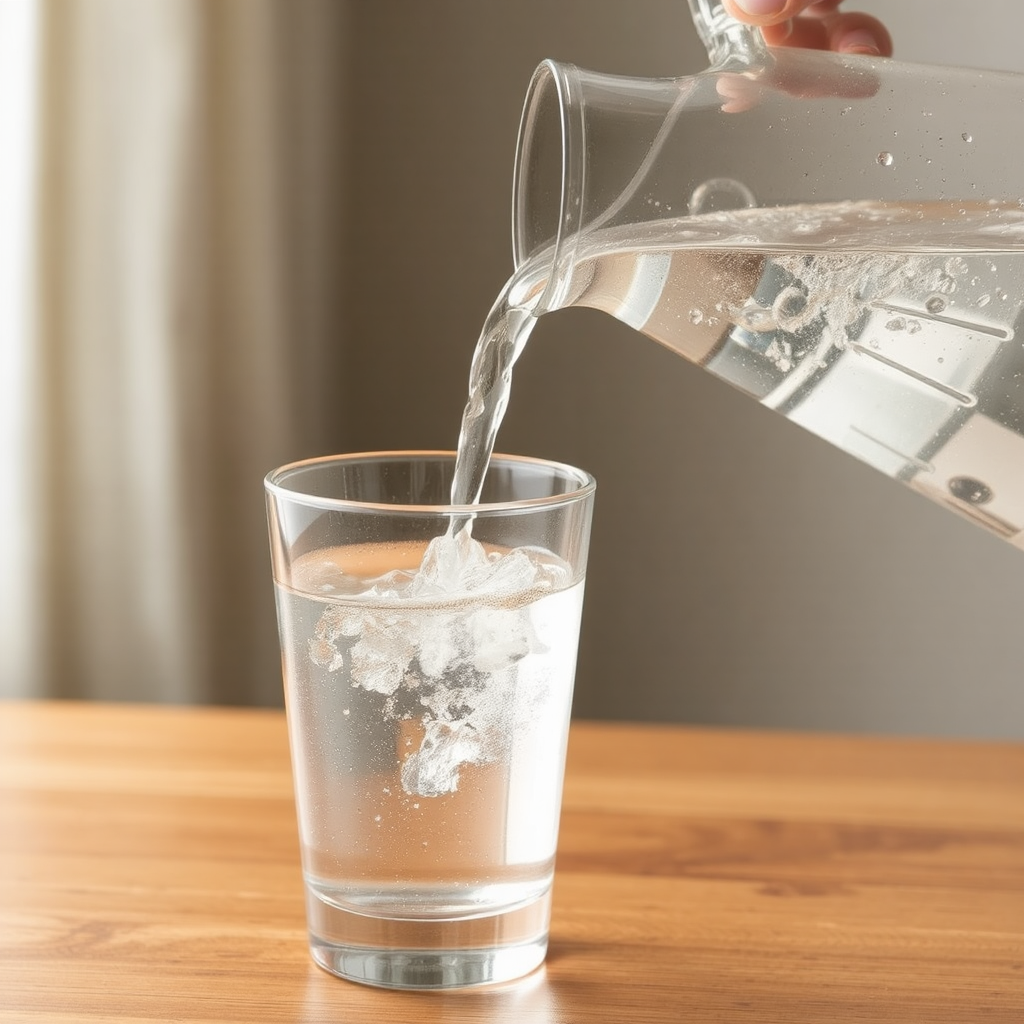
(149, 873)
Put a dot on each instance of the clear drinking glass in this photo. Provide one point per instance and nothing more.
(428, 653)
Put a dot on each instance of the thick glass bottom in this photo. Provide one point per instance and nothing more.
(429, 954)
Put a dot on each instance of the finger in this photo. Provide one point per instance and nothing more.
(858, 33)
(737, 93)
(844, 33)
(765, 12)
(740, 93)
(821, 8)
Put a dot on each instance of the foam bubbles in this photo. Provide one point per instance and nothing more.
(445, 639)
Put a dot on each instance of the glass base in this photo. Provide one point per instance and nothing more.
(429, 954)
(424, 969)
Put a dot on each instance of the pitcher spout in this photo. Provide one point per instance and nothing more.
(548, 183)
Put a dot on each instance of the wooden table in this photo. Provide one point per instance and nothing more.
(149, 872)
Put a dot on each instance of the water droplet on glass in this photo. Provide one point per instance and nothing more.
(966, 488)
(721, 194)
(886, 159)
(967, 137)
(897, 323)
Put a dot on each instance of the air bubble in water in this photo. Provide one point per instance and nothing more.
(721, 194)
(781, 354)
(791, 308)
(886, 159)
(753, 317)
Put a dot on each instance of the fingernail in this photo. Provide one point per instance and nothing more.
(761, 8)
(859, 41)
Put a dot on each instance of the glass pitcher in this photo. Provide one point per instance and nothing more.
(840, 237)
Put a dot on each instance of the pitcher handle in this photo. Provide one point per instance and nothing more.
(727, 40)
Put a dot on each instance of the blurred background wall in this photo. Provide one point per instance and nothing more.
(272, 230)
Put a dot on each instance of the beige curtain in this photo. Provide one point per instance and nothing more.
(189, 288)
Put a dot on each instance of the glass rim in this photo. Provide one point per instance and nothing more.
(274, 485)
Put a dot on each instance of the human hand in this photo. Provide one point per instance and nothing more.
(815, 24)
